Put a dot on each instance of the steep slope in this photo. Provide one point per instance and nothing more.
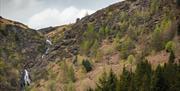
(116, 36)
(112, 38)
(20, 48)
(134, 19)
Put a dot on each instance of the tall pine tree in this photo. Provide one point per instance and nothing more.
(107, 82)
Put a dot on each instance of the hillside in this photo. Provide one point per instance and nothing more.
(20, 47)
(117, 37)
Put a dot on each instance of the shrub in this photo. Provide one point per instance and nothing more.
(107, 82)
(69, 87)
(85, 46)
(89, 38)
(87, 65)
(162, 34)
(90, 34)
(41, 48)
(132, 32)
(131, 59)
(170, 46)
(126, 47)
(52, 85)
(171, 57)
(102, 32)
(107, 31)
(94, 48)
(123, 25)
(154, 7)
(3, 30)
(157, 41)
(70, 74)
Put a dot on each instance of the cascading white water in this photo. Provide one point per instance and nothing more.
(47, 51)
(26, 77)
(48, 41)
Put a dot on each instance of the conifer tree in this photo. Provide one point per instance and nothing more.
(159, 83)
(171, 57)
(107, 82)
(124, 82)
(143, 76)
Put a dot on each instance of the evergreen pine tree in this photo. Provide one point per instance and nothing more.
(143, 76)
(107, 82)
(102, 85)
(159, 83)
(171, 57)
(124, 83)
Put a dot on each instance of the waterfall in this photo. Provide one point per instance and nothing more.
(48, 44)
(47, 51)
(42, 56)
(24, 80)
(48, 41)
(26, 77)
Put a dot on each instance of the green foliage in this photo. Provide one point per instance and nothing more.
(125, 81)
(70, 87)
(85, 46)
(154, 7)
(107, 31)
(94, 48)
(41, 48)
(158, 81)
(157, 41)
(90, 33)
(87, 65)
(125, 47)
(143, 76)
(102, 82)
(3, 30)
(131, 59)
(162, 34)
(163, 78)
(107, 82)
(171, 57)
(165, 24)
(170, 46)
(132, 32)
(90, 36)
(104, 32)
(7, 69)
(52, 86)
(123, 22)
(68, 71)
